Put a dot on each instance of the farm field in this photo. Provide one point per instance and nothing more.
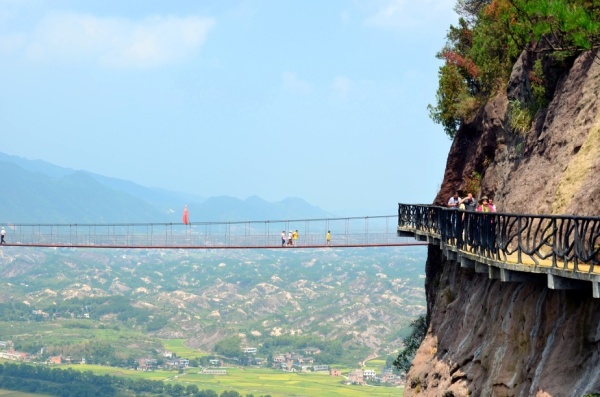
(10, 393)
(257, 381)
(178, 347)
(284, 384)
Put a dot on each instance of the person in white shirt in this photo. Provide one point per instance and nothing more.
(454, 201)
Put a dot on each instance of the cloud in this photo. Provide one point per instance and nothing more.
(294, 84)
(342, 85)
(117, 42)
(12, 42)
(404, 15)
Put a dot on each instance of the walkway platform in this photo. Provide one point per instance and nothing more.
(560, 252)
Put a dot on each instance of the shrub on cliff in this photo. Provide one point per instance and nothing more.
(411, 343)
(481, 50)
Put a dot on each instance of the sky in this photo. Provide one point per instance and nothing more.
(321, 100)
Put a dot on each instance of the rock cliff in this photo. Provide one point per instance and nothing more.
(516, 339)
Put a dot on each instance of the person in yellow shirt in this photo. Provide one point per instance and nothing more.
(328, 238)
(295, 236)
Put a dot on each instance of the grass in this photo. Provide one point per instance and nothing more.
(376, 363)
(257, 381)
(283, 384)
(178, 347)
(10, 393)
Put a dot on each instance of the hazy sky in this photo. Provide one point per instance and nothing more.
(322, 100)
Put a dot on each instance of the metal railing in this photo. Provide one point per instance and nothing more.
(345, 232)
(562, 240)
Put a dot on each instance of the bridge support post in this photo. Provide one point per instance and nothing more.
(494, 273)
(596, 289)
(451, 255)
(467, 263)
(511, 276)
(481, 268)
(558, 283)
(433, 240)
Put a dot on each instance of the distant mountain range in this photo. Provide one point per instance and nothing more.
(34, 191)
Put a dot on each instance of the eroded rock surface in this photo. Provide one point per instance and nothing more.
(518, 339)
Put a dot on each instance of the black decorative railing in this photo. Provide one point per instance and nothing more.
(569, 242)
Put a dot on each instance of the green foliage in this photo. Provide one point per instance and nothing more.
(473, 183)
(481, 50)
(229, 347)
(520, 116)
(451, 91)
(411, 343)
(538, 86)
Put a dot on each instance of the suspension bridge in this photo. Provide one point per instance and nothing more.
(375, 231)
(562, 251)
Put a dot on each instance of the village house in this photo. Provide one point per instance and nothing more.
(40, 313)
(356, 377)
(321, 368)
(147, 364)
(55, 360)
(369, 374)
(335, 372)
(388, 376)
(179, 363)
(312, 350)
(15, 356)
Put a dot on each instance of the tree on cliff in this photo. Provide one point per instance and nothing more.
(411, 343)
(481, 50)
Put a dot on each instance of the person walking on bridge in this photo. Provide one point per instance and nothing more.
(328, 238)
(2, 234)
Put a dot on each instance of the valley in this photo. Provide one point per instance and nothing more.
(115, 307)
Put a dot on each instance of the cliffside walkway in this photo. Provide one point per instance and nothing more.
(561, 251)
(377, 231)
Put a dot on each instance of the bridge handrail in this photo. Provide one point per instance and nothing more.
(201, 223)
(563, 239)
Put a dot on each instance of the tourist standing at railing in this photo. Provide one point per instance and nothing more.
(454, 201)
(485, 205)
(328, 237)
(283, 238)
(295, 237)
(487, 226)
(491, 204)
(469, 202)
(2, 234)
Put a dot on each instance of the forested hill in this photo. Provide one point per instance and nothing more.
(40, 192)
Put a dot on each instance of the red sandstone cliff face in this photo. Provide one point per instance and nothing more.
(516, 339)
